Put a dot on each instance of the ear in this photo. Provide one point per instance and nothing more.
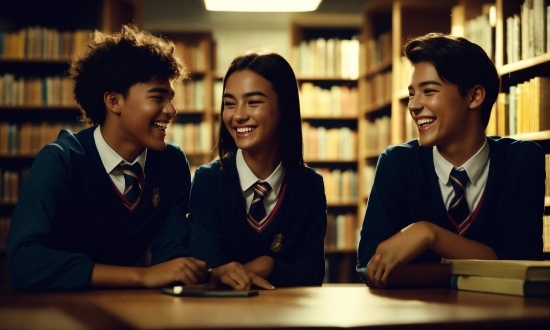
(113, 101)
(477, 96)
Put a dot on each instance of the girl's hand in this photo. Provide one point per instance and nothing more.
(237, 277)
(189, 271)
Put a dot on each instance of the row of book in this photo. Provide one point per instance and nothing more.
(28, 138)
(4, 229)
(341, 231)
(368, 178)
(546, 230)
(218, 95)
(378, 50)
(527, 33)
(404, 74)
(411, 130)
(327, 58)
(44, 92)
(189, 95)
(481, 29)
(321, 143)
(193, 55)
(511, 277)
(525, 109)
(340, 185)
(377, 134)
(42, 43)
(191, 137)
(339, 100)
(377, 90)
(10, 184)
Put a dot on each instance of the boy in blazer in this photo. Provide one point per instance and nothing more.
(82, 219)
(454, 193)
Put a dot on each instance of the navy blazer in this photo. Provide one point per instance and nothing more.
(70, 216)
(406, 190)
(220, 233)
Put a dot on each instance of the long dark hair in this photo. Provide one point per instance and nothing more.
(274, 68)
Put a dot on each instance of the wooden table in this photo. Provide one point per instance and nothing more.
(330, 306)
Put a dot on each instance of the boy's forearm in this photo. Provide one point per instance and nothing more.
(115, 276)
(453, 246)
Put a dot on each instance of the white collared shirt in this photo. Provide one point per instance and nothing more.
(111, 159)
(247, 179)
(477, 168)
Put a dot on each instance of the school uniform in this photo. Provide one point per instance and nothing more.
(292, 233)
(70, 215)
(506, 213)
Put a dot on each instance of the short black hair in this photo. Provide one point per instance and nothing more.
(115, 62)
(458, 61)
(274, 68)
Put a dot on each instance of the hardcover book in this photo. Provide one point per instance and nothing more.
(529, 270)
(502, 285)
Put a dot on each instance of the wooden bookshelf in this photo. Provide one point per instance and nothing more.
(325, 59)
(61, 19)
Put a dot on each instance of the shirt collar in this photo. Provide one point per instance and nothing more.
(111, 158)
(247, 178)
(473, 167)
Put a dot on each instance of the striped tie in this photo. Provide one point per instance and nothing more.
(132, 178)
(458, 210)
(257, 209)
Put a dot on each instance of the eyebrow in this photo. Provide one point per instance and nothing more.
(249, 94)
(160, 90)
(426, 83)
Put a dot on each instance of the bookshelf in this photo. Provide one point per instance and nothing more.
(325, 60)
(38, 39)
(194, 126)
(383, 117)
(385, 75)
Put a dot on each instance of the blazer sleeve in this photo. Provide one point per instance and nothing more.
(386, 207)
(172, 240)
(308, 264)
(205, 219)
(35, 263)
(522, 234)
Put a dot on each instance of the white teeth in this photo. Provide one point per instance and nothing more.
(160, 126)
(244, 129)
(424, 121)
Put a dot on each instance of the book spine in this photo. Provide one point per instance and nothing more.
(454, 282)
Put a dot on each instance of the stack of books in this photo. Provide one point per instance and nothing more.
(528, 278)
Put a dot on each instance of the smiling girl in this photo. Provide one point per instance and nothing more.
(257, 214)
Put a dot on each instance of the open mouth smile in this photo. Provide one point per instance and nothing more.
(160, 126)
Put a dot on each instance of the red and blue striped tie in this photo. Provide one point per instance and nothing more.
(458, 210)
(257, 209)
(132, 178)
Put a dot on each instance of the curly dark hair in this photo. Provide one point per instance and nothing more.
(458, 61)
(115, 62)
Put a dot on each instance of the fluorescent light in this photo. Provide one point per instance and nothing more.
(262, 5)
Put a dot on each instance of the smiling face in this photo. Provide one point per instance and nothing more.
(442, 115)
(251, 113)
(139, 120)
